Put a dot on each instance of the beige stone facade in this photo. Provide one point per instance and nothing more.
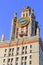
(25, 45)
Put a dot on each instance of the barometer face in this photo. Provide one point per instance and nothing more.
(23, 22)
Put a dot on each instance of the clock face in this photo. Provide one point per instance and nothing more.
(23, 22)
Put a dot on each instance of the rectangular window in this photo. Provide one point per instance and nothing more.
(11, 64)
(23, 63)
(5, 50)
(17, 53)
(30, 62)
(25, 47)
(30, 46)
(9, 50)
(3, 60)
(4, 55)
(26, 14)
(11, 59)
(22, 48)
(25, 52)
(22, 52)
(30, 51)
(9, 54)
(12, 49)
(22, 58)
(17, 48)
(17, 59)
(30, 56)
(25, 57)
(16, 63)
(12, 54)
(8, 60)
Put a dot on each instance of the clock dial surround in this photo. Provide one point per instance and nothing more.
(23, 22)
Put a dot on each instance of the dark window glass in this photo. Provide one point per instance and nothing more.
(5, 50)
(4, 55)
(30, 51)
(25, 63)
(12, 54)
(12, 49)
(9, 50)
(26, 14)
(9, 54)
(11, 59)
(25, 57)
(8, 60)
(30, 46)
(16, 63)
(17, 53)
(22, 58)
(30, 56)
(23, 48)
(3, 60)
(18, 49)
(23, 52)
(17, 59)
(30, 62)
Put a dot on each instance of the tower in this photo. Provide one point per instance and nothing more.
(13, 28)
(26, 25)
(25, 45)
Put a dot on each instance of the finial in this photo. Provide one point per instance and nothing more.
(2, 39)
(15, 14)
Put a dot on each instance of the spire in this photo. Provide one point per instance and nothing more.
(38, 31)
(13, 28)
(15, 15)
(3, 37)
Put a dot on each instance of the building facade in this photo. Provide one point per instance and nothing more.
(25, 46)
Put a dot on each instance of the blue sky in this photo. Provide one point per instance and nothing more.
(7, 9)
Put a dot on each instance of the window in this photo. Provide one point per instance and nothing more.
(30, 56)
(23, 52)
(17, 59)
(23, 63)
(4, 55)
(8, 60)
(16, 63)
(18, 49)
(30, 46)
(12, 54)
(11, 59)
(12, 49)
(9, 50)
(30, 51)
(23, 48)
(25, 57)
(26, 14)
(30, 62)
(17, 53)
(11, 64)
(22, 58)
(9, 54)
(5, 50)
(3, 64)
(3, 60)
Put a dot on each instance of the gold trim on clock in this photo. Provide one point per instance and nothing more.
(27, 20)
